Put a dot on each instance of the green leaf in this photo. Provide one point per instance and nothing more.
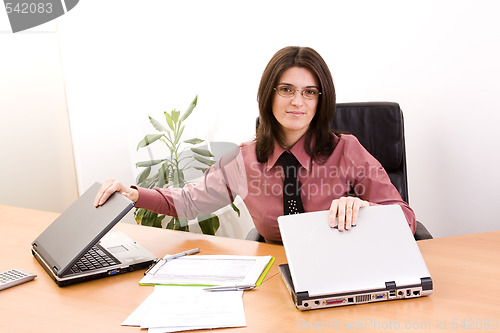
(139, 214)
(148, 139)
(148, 218)
(194, 141)
(157, 221)
(176, 179)
(169, 137)
(236, 209)
(178, 223)
(161, 176)
(209, 224)
(151, 219)
(144, 174)
(167, 171)
(150, 182)
(203, 160)
(179, 134)
(190, 108)
(156, 124)
(181, 180)
(170, 123)
(175, 115)
(203, 152)
(144, 164)
(200, 168)
(170, 225)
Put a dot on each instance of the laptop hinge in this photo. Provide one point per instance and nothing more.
(302, 296)
(391, 285)
(426, 283)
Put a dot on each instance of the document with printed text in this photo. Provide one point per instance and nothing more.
(172, 309)
(210, 270)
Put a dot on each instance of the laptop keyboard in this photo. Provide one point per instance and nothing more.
(95, 258)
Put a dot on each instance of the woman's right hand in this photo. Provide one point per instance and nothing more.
(111, 186)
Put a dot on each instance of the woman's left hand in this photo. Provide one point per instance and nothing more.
(345, 210)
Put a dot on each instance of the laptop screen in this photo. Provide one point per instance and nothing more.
(78, 228)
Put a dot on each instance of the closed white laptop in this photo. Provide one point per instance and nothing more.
(377, 260)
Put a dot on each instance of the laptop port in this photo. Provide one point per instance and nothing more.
(416, 292)
(335, 301)
(350, 300)
(363, 298)
(408, 292)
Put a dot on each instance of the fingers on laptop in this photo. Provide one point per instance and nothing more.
(344, 212)
(109, 187)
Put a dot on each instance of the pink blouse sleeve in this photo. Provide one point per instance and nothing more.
(371, 182)
(217, 189)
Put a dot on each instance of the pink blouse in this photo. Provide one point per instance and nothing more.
(350, 166)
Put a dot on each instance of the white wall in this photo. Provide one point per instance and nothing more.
(37, 167)
(123, 61)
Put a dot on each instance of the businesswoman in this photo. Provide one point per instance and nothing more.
(295, 164)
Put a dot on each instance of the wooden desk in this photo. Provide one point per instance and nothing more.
(465, 271)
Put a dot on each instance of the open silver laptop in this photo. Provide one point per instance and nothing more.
(77, 248)
(377, 260)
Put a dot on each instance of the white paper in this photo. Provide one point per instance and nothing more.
(217, 270)
(171, 309)
(135, 318)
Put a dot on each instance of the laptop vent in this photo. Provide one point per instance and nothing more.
(363, 298)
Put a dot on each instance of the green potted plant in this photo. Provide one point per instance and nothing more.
(171, 170)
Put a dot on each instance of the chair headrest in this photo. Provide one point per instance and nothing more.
(378, 126)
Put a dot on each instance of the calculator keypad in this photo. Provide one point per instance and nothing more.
(14, 277)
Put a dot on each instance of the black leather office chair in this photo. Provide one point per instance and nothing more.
(379, 127)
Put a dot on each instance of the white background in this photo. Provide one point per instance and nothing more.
(125, 60)
(37, 168)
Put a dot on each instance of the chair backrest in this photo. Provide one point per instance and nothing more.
(379, 126)
(380, 129)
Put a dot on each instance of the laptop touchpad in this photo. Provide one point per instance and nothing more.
(117, 249)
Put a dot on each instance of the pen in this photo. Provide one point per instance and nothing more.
(170, 257)
(231, 288)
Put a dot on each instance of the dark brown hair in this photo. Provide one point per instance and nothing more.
(319, 141)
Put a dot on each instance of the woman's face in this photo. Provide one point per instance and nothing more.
(295, 113)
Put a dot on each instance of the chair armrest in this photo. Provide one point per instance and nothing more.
(422, 232)
(255, 236)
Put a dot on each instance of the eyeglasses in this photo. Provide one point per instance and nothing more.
(288, 91)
